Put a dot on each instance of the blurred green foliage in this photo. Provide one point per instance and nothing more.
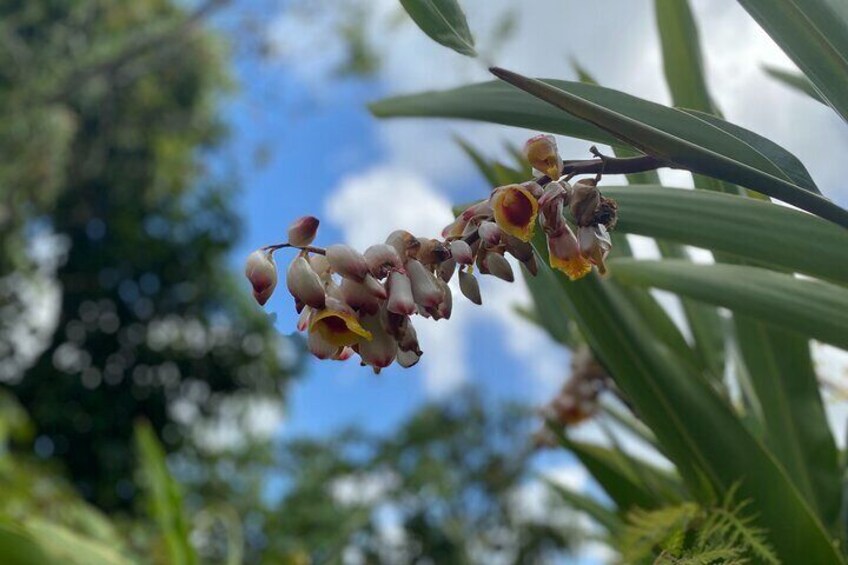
(109, 109)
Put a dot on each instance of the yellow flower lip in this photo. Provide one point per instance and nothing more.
(575, 268)
(515, 210)
(338, 328)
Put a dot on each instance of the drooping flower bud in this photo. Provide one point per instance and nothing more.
(585, 200)
(358, 297)
(470, 287)
(304, 283)
(497, 265)
(338, 325)
(490, 233)
(445, 307)
(480, 209)
(446, 269)
(515, 210)
(541, 152)
(303, 230)
(320, 265)
(347, 262)
(461, 252)
(425, 288)
(344, 354)
(595, 244)
(455, 228)
(519, 249)
(407, 359)
(261, 271)
(374, 286)
(404, 243)
(564, 251)
(534, 188)
(551, 206)
(304, 319)
(381, 259)
(380, 351)
(400, 294)
(407, 337)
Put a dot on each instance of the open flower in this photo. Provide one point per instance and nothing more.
(542, 153)
(337, 326)
(564, 251)
(515, 210)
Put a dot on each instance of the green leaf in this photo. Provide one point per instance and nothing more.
(701, 434)
(679, 137)
(682, 59)
(814, 33)
(35, 541)
(813, 308)
(591, 507)
(794, 80)
(444, 22)
(164, 497)
(781, 373)
(745, 228)
(493, 102)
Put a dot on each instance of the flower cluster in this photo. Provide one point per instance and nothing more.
(351, 302)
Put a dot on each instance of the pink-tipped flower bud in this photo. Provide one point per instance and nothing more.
(425, 288)
(461, 252)
(585, 200)
(320, 265)
(470, 287)
(497, 265)
(400, 294)
(375, 287)
(358, 297)
(382, 258)
(564, 252)
(347, 262)
(455, 228)
(595, 244)
(446, 269)
(344, 353)
(541, 152)
(490, 233)
(381, 350)
(304, 319)
(304, 284)
(515, 210)
(479, 209)
(534, 188)
(407, 359)
(261, 271)
(404, 243)
(302, 231)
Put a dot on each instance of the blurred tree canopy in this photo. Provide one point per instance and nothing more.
(110, 223)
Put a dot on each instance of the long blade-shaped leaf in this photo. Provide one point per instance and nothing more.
(813, 308)
(584, 503)
(682, 59)
(444, 22)
(782, 374)
(814, 33)
(681, 138)
(703, 437)
(795, 80)
(742, 227)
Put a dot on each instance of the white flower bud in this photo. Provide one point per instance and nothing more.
(375, 287)
(455, 228)
(303, 320)
(489, 233)
(380, 351)
(425, 289)
(445, 307)
(470, 287)
(534, 188)
(320, 265)
(358, 297)
(344, 353)
(407, 359)
(261, 271)
(302, 231)
(304, 284)
(479, 209)
(347, 262)
(461, 252)
(381, 259)
(400, 294)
